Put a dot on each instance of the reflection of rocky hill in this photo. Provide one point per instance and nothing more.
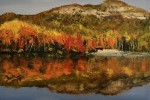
(106, 75)
(108, 87)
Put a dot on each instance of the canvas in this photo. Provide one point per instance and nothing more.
(74, 49)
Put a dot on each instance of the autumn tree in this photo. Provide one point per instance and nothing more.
(6, 38)
(26, 38)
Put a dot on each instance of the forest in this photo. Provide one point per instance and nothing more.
(27, 39)
(66, 33)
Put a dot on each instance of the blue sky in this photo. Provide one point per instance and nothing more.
(36, 6)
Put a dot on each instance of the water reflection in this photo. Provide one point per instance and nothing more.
(105, 75)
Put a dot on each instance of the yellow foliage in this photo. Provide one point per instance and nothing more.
(110, 33)
(16, 25)
(143, 43)
(127, 71)
(110, 72)
(128, 37)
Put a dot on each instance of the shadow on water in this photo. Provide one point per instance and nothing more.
(87, 75)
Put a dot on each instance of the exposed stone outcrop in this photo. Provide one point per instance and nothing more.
(108, 8)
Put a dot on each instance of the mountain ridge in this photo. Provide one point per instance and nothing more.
(105, 9)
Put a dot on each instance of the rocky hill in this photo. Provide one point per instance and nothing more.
(108, 8)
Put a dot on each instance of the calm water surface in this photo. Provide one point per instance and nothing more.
(34, 93)
(91, 78)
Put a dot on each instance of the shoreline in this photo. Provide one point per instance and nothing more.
(118, 53)
(104, 52)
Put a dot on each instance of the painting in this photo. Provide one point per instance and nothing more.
(74, 49)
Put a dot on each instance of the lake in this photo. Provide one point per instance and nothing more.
(43, 77)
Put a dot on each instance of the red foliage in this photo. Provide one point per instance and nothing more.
(68, 43)
(144, 65)
(26, 36)
(71, 42)
(79, 44)
(111, 42)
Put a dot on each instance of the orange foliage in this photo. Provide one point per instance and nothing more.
(61, 39)
(71, 42)
(67, 67)
(6, 65)
(101, 42)
(45, 39)
(26, 36)
(110, 41)
(48, 68)
(79, 43)
(81, 65)
(32, 73)
(46, 76)
(29, 72)
(27, 39)
(68, 43)
(14, 71)
(113, 66)
(27, 32)
(6, 36)
(36, 63)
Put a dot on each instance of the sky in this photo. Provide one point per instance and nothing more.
(37, 6)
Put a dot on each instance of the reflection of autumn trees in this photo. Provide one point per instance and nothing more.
(94, 67)
(37, 67)
(81, 65)
(107, 75)
(58, 68)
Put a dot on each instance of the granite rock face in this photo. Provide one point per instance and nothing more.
(106, 9)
